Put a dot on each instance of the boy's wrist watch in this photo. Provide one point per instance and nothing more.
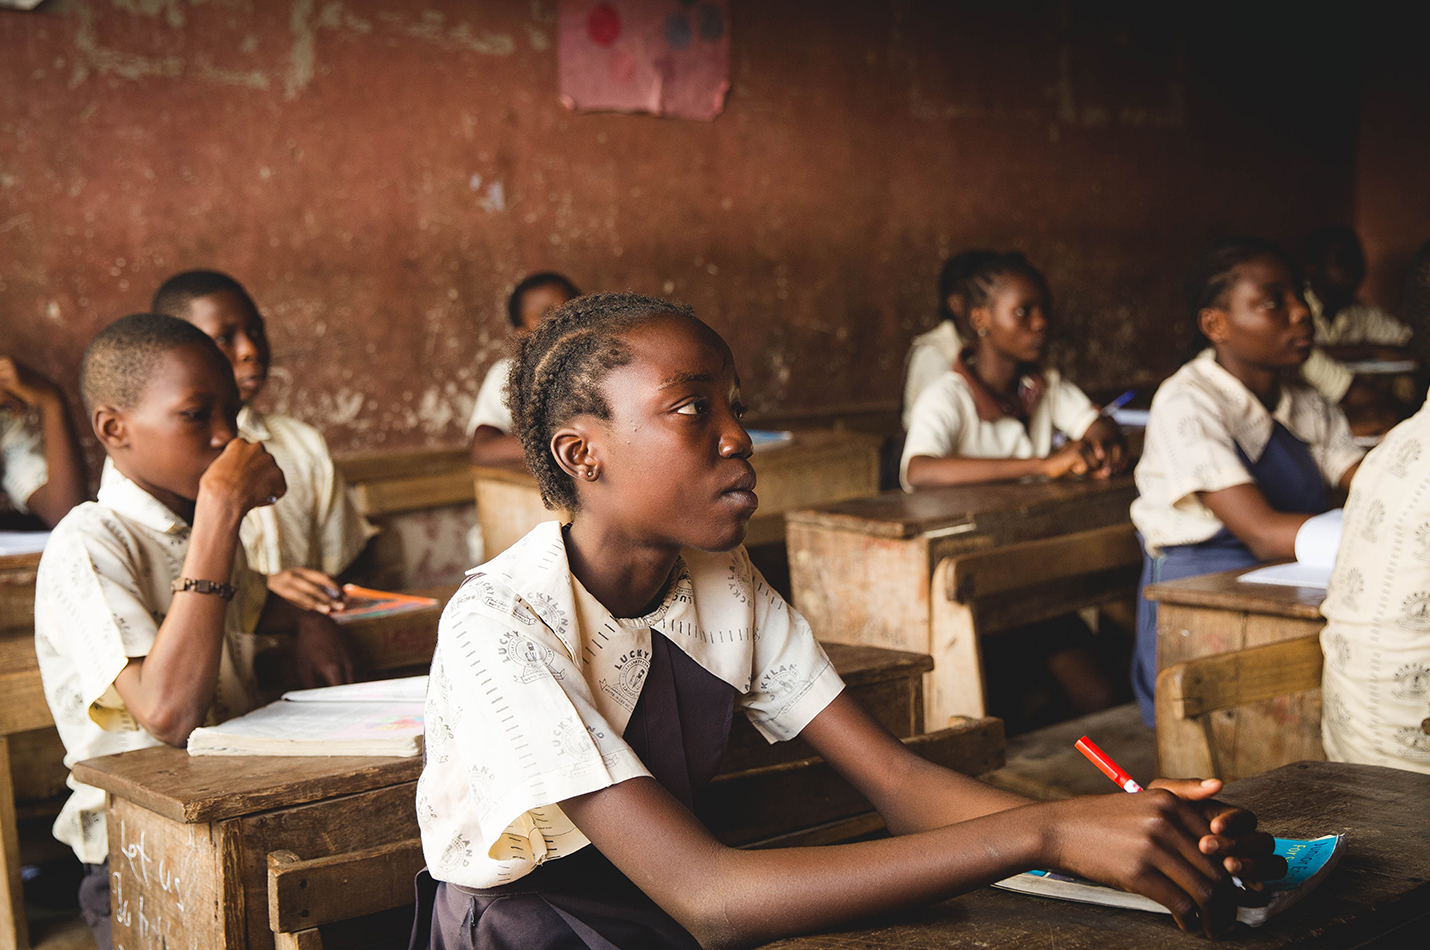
(199, 586)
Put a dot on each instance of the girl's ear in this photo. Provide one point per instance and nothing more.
(575, 453)
(978, 320)
(1212, 323)
(109, 427)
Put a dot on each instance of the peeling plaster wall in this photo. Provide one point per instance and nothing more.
(379, 174)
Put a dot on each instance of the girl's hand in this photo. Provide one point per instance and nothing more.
(308, 589)
(20, 384)
(322, 655)
(1243, 850)
(1107, 450)
(1071, 459)
(1147, 843)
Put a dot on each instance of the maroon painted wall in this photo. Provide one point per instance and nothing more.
(379, 175)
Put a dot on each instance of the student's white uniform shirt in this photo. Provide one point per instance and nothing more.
(23, 468)
(947, 421)
(491, 409)
(315, 524)
(533, 683)
(930, 356)
(101, 594)
(1357, 323)
(1375, 688)
(1198, 418)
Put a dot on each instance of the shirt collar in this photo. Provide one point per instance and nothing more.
(990, 407)
(123, 497)
(252, 426)
(1248, 420)
(708, 602)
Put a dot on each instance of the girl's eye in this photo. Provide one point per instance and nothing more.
(223, 339)
(197, 415)
(693, 408)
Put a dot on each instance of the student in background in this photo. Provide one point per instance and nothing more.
(584, 681)
(993, 416)
(490, 426)
(1239, 452)
(144, 608)
(933, 353)
(314, 532)
(1375, 687)
(42, 468)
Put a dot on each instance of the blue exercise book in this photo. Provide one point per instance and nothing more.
(763, 438)
(1308, 863)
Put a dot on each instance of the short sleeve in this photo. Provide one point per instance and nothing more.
(22, 459)
(926, 364)
(1197, 451)
(937, 425)
(794, 680)
(343, 531)
(1327, 376)
(1337, 451)
(491, 408)
(1374, 325)
(512, 730)
(93, 597)
(1071, 411)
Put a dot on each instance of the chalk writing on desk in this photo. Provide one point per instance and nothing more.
(155, 921)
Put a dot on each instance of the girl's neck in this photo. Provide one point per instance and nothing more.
(998, 371)
(627, 578)
(1264, 383)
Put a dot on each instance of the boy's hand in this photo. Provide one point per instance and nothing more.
(1233, 837)
(1071, 459)
(245, 476)
(322, 655)
(309, 589)
(20, 384)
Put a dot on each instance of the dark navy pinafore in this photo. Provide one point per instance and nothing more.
(1292, 482)
(679, 728)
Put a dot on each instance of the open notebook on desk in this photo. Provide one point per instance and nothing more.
(1316, 545)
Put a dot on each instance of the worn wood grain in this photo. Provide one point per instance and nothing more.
(1379, 896)
(1225, 592)
(392, 483)
(303, 894)
(17, 589)
(192, 789)
(14, 926)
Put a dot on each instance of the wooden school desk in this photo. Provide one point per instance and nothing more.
(22, 709)
(1378, 896)
(934, 570)
(189, 837)
(1216, 613)
(817, 466)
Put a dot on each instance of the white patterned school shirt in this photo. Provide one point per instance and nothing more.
(101, 593)
(533, 683)
(23, 469)
(1375, 687)
(491, 408)
(1199, 417)
(931, 355)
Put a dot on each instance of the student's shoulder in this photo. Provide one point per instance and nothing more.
(88, 530)
(290, 427)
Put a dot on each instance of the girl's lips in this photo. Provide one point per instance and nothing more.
(744, 497)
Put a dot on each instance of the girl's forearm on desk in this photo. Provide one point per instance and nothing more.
(925, 471)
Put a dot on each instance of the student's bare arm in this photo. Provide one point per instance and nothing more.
(169, 691)
(927, 471)
(492, 446)
(322, 654)
(67, 485)
(1268, 533)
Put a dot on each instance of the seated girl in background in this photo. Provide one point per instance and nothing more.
(584, 681)
(42, 469)
(932, 353)
(992, 418)
(1240, 451)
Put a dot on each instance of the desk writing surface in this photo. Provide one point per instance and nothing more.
(204, 788)
(1382, 882)
(1224, 591)
(900, 514)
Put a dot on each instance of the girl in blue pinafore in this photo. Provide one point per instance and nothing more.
(1239, 451)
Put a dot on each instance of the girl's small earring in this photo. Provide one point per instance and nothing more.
(590, 473)
(982, 331)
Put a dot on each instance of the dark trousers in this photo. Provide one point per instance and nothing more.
(94, 903)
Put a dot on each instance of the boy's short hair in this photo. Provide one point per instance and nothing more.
(558, 370)
(1417, 290)
(119, 361)
(176, 293)
(1340, 241)
(546, 278)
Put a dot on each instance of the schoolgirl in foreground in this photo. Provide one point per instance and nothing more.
(585, 679)
(1240, 453)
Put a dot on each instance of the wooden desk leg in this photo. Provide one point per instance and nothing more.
(955, 687)
(14, 928)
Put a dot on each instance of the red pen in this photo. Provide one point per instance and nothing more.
(1123, 781)
(1108, 767)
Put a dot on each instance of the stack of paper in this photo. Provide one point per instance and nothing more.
(1316, 545)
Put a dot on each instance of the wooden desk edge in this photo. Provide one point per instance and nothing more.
(1223, 591)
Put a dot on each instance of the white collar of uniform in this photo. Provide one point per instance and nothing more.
(943, 338)
(123, 497)
(1247, 418)
(708, 610)
(251, 425)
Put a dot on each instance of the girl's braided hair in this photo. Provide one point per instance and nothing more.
(557, 372)
(985, 272)
(1214, 271)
